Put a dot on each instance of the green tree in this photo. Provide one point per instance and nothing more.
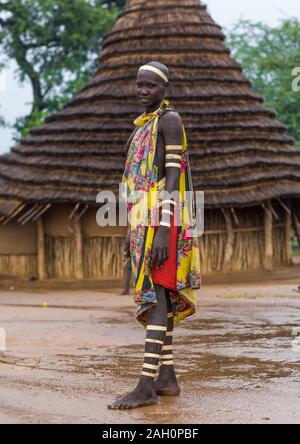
(55, 44)
(268, 56)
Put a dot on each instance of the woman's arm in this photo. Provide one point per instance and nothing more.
(171, 125)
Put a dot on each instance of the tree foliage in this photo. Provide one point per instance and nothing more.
(55, 44)
(268, 56)
(2, 122)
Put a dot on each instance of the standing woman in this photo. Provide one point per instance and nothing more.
(164, 255)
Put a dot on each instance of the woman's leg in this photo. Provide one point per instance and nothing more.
(166, 383)
(144, 393)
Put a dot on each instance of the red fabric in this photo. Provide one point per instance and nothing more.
(167, 275)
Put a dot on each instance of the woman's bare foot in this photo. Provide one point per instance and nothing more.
(166, 383)
(139, 397)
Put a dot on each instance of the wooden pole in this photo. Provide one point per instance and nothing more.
(41, 254)
(296, 226)
(202, 254)
(236, 219)
(15, 213)
(268, 259)
(288, 234)
(78, 249)
(229, 241)
(41, 211)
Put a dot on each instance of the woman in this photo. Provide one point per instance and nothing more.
(163, 248)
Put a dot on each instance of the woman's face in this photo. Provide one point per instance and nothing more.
(150, 89)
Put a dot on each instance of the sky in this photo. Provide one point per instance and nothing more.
(15, 99)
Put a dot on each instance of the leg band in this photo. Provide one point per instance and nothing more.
(166, 357)
(155, 335)
(156, 328)
(151, 375)
(154, 341)
(151, 366)
(151, 355)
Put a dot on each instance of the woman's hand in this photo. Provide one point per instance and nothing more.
(126, 254)
(161, 247)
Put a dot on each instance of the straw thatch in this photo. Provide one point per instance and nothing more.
(240, 153)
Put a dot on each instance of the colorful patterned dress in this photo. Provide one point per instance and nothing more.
(140, 187)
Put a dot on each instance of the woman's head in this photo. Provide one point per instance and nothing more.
(152, 83)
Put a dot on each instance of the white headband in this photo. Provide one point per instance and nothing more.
(156, 70)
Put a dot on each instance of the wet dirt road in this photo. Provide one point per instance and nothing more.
(237, 359)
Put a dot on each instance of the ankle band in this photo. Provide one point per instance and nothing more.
(166, 363)
(151, 366)
(150, 375)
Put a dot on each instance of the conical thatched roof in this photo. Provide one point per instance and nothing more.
(240, 153)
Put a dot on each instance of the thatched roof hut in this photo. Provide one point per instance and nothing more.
(241, 155)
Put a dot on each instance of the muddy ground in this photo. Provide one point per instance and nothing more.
(237, 359)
